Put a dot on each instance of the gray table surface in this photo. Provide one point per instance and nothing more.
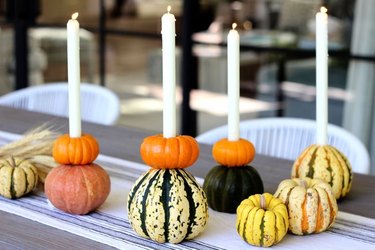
(20, 233)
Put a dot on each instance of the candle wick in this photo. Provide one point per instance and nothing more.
(234, 26)
(75, 16)
(323, 9)
(169, 8)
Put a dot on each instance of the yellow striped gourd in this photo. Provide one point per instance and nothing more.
(17, 177)
(311, 204)
(327, 163)
(262, 220)
(167, 205)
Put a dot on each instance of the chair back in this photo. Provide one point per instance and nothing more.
(98, 104)
(287, 137)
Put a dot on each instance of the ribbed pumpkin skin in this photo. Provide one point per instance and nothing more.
(262, 226)
(17, 177)
(75, 151)
(77, 189)
(167, 205)
(176, 152)
(326, 163)
(226, 187)
(233, 153)
(311, 205)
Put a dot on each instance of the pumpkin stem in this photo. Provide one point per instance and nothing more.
(303, 183)
(12, 161)
(263, 204)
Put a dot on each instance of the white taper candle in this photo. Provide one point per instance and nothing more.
(233, 72)
(169, 74)
(74, 77)
(321, 76)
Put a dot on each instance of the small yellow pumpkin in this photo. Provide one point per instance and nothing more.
(327, 163)
(17, 177)
(311, 204)
(262, 220)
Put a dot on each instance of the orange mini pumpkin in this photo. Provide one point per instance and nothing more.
(175, 152)
(75, 151)
(233, 153)
(77, 189)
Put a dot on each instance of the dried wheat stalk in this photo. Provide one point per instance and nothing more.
(36, 146)
(38, 141)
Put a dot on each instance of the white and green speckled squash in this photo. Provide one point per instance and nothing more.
(167, 205)
(17, 177)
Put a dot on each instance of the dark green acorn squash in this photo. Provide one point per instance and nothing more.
(226, 187)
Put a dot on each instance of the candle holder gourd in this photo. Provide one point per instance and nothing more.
(233, 180)
(77, 186)
(322, 160)
(327, 163)
(166, 204)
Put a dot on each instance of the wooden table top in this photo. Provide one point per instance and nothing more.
(124, 143)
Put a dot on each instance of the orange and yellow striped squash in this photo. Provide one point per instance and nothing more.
(311, 204)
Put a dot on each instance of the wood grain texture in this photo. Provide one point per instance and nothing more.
(124, 143)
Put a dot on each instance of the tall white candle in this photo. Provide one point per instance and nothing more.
(169, 74)
(233, 72)
(321, 76)
(74, 77)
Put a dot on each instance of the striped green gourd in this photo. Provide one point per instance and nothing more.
(167, 205)
(17, 177)
(226, 187)
(327, 163)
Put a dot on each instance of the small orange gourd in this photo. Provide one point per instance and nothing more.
(176, 152)
(233, 153)
(75, 151)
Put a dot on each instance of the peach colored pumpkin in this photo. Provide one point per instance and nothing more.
(77, 189)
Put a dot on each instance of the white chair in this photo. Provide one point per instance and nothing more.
(98, 104)
(287, 137)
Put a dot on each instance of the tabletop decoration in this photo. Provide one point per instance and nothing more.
(262, 220)
(159, 152)
(77, 185)
(233, 180)
(166, 204)
(311, 204)
(17, 177)
(25, 162)
(321, 160)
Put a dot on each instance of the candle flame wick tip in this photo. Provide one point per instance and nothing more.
(323, 9)
(169, 8)
(75, 15)
(234, 25)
